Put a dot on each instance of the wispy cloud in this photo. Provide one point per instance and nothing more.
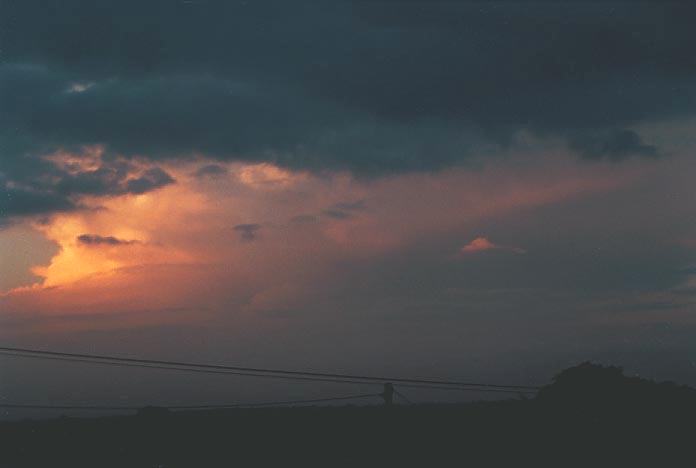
(344, 210)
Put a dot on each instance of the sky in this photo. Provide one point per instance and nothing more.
(486, 191)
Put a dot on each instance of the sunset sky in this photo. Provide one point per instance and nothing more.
(471, 190)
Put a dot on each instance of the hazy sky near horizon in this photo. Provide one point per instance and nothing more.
(489, 190)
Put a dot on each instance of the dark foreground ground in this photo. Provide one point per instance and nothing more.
(590, 416)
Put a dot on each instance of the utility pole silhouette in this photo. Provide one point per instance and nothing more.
(388, 394)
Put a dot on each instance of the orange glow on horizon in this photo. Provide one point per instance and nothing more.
(177, 246)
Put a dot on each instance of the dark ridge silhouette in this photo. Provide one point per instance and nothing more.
(590, 415)
(605, 389)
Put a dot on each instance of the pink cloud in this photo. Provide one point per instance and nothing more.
(481, 244)
(477, 245)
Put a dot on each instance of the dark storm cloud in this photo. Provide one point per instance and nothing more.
(50, 189)
(111, 178)
(544, 64)
(372, 87)
(20, 202)
(247, 232)
(166, 116)
(152, 179)
(94, 239)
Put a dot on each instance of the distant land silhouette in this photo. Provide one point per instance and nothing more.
(590, 415)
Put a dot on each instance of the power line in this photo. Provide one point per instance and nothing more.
(249, 374)
(188, 407)
(68, 407)
(252, 371)
(464, 389)
(187, 369)
(274, 403)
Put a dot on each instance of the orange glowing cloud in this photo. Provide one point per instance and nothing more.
(99, 242)
(180, 245)
(269, 177)
(89, 159)
(479, 244)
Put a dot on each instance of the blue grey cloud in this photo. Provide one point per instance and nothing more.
(371, 87)
(95, 240)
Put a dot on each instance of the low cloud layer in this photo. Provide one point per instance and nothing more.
(58, 181)
(366, 87)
